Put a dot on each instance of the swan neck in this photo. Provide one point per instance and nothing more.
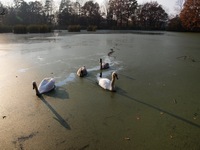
(36, 89)
(101, 64)
(112, 82)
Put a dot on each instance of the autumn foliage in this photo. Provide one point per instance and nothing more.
(190, 15)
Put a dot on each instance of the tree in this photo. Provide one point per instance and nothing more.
(23, 13)
(37, 13)
(91, 12)
(110, 14)
(9, 18)
(118, 8)
(65, 13)
(130, 10)
(152, 16)
(2, 10)
(190, 15)
(77, 8)
(18, 3)
(29, 13)
(65, 6)
(175, 24)
(2, 13)
(122, 11)
(49, 11)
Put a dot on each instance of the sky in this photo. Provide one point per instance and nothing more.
(167, 6)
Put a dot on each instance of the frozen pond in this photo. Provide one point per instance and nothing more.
(156, 106)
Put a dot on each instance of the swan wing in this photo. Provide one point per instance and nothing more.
(46, 85)
(105, 83)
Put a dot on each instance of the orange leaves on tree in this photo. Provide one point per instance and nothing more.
(190, 15)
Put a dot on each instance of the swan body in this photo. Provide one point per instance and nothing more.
(103, 65)
(111, 51)
(46, 85)
(106, 83)
(82, 71)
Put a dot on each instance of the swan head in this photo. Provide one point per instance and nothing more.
(36, 88)
(34, 85)
(100, 60)
(114, 75)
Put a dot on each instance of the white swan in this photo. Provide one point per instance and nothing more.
(106, 83)
(82, 71)
(46, 85)
(103, 65)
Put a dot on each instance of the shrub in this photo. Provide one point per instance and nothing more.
(20, 29)
(91, 28)
(5, 29)
(39, 29)
(45, 29)
(74, 28)
(34, 29)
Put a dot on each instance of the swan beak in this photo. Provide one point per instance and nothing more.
(117, 77)
(34, 85)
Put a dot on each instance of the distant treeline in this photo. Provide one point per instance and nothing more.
(126, 14)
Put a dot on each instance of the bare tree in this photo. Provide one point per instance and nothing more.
(104, 8)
